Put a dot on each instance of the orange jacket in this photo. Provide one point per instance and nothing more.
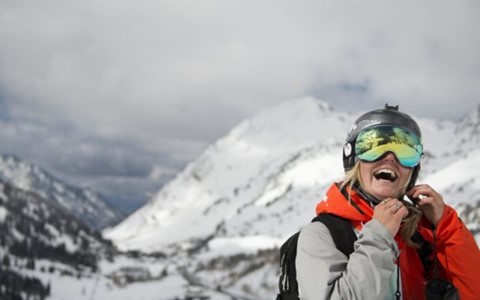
(457, 252)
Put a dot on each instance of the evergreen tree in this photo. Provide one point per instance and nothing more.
(30, 263)
(6, 261)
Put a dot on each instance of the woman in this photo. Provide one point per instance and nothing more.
(382, 157)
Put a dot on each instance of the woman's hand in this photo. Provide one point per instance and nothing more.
(390, 213)
(430, 202)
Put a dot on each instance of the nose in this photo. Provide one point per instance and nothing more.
(390, 157)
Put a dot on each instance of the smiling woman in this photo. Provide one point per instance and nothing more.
(393, 238)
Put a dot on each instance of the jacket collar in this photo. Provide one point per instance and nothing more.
(355, 209)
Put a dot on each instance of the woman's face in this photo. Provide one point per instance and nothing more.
(384, 178)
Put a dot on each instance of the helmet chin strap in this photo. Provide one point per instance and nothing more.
(369, 197)
(366, 196)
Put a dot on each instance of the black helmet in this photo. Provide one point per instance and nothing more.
(379, 117)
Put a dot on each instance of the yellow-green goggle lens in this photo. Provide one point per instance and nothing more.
(373, 143)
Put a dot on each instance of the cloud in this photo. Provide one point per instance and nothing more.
(114, 88)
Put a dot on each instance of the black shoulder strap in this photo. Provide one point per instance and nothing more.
(341, 231)
(287, 283)
(343, 236)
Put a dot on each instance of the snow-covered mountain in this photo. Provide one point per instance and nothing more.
(242, 181)
(86, 205)
(213, 232)
(39, 242)
(221, 220)
(265, 177)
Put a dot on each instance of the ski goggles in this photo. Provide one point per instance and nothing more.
(373, 143)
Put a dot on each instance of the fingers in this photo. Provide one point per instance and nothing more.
(430, 202)
(390, 213)
(423, 192)
(394, 206)
(399, 210)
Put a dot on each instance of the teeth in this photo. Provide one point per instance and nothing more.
(392, 174)
(385, 171)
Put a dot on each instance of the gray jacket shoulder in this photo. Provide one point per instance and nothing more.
(324, 272)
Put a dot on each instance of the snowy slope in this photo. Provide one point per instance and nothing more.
(232, 207)
(39, 242)
(231, 175)
(84, 204)
(266, 175)
(214, 230)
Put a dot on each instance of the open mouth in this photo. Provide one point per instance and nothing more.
(385, 174)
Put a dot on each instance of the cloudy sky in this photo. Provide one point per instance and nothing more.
(120, 95)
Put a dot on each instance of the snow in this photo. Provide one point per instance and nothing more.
(259, 184)
(246, 194)
(237, 169)
(17, 235)
(243, 245)
(311, 170)
(3, 214)
(2, 194)
(459, 179)
(83, 204)
(99, 288)
(286, 154)
(59, 238)
(68, 242)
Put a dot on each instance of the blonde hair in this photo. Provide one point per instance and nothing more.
(410, 222)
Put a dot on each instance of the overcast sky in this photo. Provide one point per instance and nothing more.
(119, 95)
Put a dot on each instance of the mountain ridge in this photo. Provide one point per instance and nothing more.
(214, 231)
(85, 204)
(271, 168)
(40, 239)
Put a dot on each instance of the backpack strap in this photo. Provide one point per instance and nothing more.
(287, 284)
(344, 238)
(341, 231)
(343, 235)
